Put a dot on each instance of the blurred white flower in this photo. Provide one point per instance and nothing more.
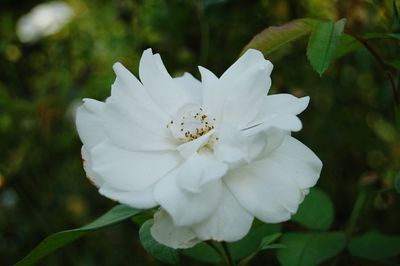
(43, 20)
(212, 154)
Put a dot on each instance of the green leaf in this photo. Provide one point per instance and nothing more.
(266, 241)
(323, 42)
(57, 240)
(265, 244)
(307, 249)
(251, 242)
(374, 245)
(157, 250)
(346, 45)
(275, 37)
(203, 252)
(239, 249)
(316, 204)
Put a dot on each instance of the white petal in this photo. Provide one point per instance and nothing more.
(188, 148)
(142, 199)
(166, 233)
(89, 123)
(198, 170)
(88, 166)
(272, 188)
(131, 118)
(128, 170)
(265, 189)
(229, 222)
(190, 84)
(305, 166)
(129, 92)
(187, 208)
(284, 104)
(279, 111)
(250, 58)
(280, 121)
(161, 87)
(127, 129)
(243, 95)
(210, 84)
(232, 145)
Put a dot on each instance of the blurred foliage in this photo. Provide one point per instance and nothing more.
(43, 189)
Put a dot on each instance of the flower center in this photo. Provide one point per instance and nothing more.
(191, 123)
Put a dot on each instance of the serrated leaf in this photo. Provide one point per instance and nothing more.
(308, 249)
(157, 250)
(275, 37)
(57, 240)
(316, 204)
(323, 42)
(374, 245)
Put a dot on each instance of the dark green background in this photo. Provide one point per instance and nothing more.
(43, 189)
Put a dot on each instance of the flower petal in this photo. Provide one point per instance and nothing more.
(193, 87)
(127, 129)
(238, 94)
(128, 170)
(131, 118)
(198, 170)
(279, 111)
(166, 233)
(272, 188)
(305, 166)
(229, 222)
(210, 84)
(89, 123)
(244, 93)
(185, 207)
(161, 87)
(142, 199)
(87, 165)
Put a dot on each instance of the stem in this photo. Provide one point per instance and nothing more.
(355, 213)
(228, 254)
(380, 61)
(216, 249)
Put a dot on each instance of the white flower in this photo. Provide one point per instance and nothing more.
(212, 154)
(43, 20)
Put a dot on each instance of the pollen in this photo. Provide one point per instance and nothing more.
(191, 124)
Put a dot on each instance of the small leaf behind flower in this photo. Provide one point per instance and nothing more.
(308, 249)
(157, 250)
(316, 211)
(274, 37)
(323, 42)
(60, 239)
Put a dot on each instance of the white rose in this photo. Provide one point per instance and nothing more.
(212, 154)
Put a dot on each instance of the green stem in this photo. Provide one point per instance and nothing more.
(216, 249)
(228, 254)
(355, 213)
(381, 62)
